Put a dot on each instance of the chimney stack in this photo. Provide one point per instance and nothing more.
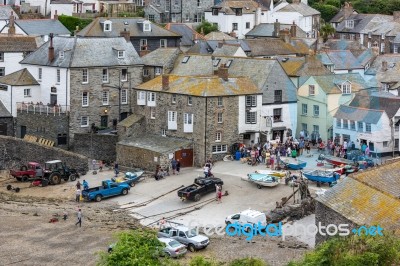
(257, 16)
(165, 82)
(396, 16)
(348, 10)
(293, 30)
(296, 1)
(384, 65)
(285, 35)
(51, 48)
(55, 15)
(126, 34)
(11, 26)
(223, 72)
(277, 28)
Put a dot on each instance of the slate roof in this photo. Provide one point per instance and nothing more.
(161, 57)
(203, 86)
(393, 60)
(390, 104)
(377, 24)
(19, 78)
(359, 114)
(201, 47)
(156, 143)
(329, 83)
(267, 30)
(226, 50)
(248, 6)
(5, 12)
(353, 46)
(85, 52)
(130, 120)
(18, 43)
(363, 204)
(3, 111)
(303, 66)
(343, 59)
(272, 47)
(42, 27)
(214, 44)
(339, 17)
(218, 36)
(133, 25)
(188, 34)
(301, 8)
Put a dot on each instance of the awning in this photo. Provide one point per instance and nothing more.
(278, 128)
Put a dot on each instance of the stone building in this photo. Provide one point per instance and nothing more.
(88, 77)
(370, 197)
(183, 11)
(158, 62)
(210, 114)
(6, 121)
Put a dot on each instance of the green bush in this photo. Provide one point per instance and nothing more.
(201, 261)
(206, 27)
(248, 262)
(71, 22)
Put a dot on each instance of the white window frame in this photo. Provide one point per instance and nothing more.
(163, 132)
(218, 136)
(346, 88)
(58, 76)
(188, 122)
(250, 117)
(85, 99)
(40, 73)
(104, 75)
(360, 129)
(27, 93)
(251, 101)
(152, 113)
(172, 120)
(349, 24)
(145, 72)
(105, 97)
(368, 127)
(338, 122)
(220, 118)
(84, 119)
(173, 98)
(190, 100)
(221, 148)
(61, 54)
(316, 129)
(85, 76)
(151, 99)
(385, 144)
(120, 54)
(304, 107)
(187, 17)
(316, 110)
(107, 26)
(198, 3)
(352, 125)
(146, 26)
(220, 101)
(163, 43)
(345, 124)
(141, 98)
(143, 44)
(124, 96)
(157, 71)
(124, 77)
(311, 90)
(235, 26)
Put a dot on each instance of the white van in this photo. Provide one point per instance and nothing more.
(247, 217)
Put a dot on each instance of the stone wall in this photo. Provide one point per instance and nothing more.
(23, 152)
(96, 146)
(43, 126)
(134, 157)
(326, 216)
(9, 121)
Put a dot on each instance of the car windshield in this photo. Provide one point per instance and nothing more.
(174, 244)
(191, 233)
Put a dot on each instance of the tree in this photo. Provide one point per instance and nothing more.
(327, 11)
(72, 22)
(206, 27)
(326, 31)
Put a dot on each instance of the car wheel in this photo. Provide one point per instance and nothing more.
(9, 187)
(124, 191)
(19, 178)
(25, 178)
(191, 248)
(55, 179)
(197, 197)
(259, 186)
(72, 177)
(98, 198)
(132, 184)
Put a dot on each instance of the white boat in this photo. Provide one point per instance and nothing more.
(263, 180)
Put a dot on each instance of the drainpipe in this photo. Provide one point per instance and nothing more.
(11, 100)
(205, 133)
(66, 106)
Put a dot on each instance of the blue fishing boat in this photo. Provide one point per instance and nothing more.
(321, 176)
(263, 180)
(293, 163)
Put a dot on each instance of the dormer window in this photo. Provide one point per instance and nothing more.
(216, 62)
(349, 24)
(215, 11)
(146, 26)
(346, 88)
(228, 63)
(121, 54)
(107, 25)
(238, 11)
(61, 54)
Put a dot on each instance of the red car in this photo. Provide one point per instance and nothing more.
(32, 171)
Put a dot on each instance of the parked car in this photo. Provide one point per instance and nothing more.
(173, 248)
(247, 217)
(107, 189)
(201, 186)
(31, 171)
(183, 235)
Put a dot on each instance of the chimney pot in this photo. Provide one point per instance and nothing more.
(51, 48)
(293, 30)
(165, 82)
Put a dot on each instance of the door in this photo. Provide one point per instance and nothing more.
(185, 156)
(3, 129)
(23, 131)
(104, 121)
(124, 115)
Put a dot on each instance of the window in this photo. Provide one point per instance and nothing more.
(167, 3)
(104, 97)
(188, 123)
(187, 17)
(375, 45)
(185, 59)
(173, 98)
(251, 118)
(338, 122)
(234, 26)
(198, 3)
(151, 99)
(304, 109)
(197, 17)
(396, 127)
(342, 36)
(40, 73)
(383, 36)
(121, 54)
(219, 148)
(124, 74)
(27, 93)
(220, 101)
(228, 64)
(146, 27)
(368, 127)
(352, 125)
(163, 43)
(395, 49)
(360, 126)
(145, 72)
(61, 54)
(238, 11)
(190, 100)
(386, 144)
(349, 24)
(84, 121)
(216, 62)
(163, 132)
(215, 11)
(172, 120)
(278, 95)
(158, 71)
(304, 127)
(316, 110)
(247, 25)
(152, 113)
(345, 123)
(58, 75)
(311, 90)
(352, 37)
(277, 115)
(2, 71)
(1, 57)
(85, 77)
(251, 101)
(143, 44)
(218, 137)
(107, 26)
(316, 129)
(382, 47)
(124, 96)
(61, 140)
(85, 98)
(151, 17)
(141, 98)
(104, 77)
(219, 118)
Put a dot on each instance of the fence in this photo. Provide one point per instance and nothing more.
(40, 108)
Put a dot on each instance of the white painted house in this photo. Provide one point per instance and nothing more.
(69, 7)
(237, 17)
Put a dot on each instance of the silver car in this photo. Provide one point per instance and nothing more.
(172, 247)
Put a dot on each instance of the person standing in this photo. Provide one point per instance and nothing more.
(79, 216)
(206, 169)
(173, 165)
(217, 189)
(78, 195)
(178, 166)
(116, 169)
(367, 151)
(78, 185)
(85, 185)
(345, 146)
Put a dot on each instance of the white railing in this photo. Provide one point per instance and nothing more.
(40, 108)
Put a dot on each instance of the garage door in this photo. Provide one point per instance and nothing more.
(185, 157)
(3, 129)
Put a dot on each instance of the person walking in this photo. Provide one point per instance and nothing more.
(78, 185)
(116, 169)
(217, 189)
(79, 216)
(78, 195)
(219, 195)
(178, 166)
(173, 165)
